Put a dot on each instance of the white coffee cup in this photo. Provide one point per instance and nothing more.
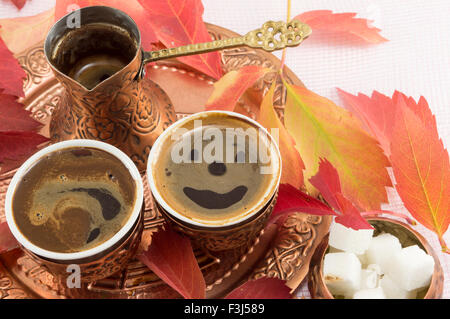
(222, 234)
(94, 251)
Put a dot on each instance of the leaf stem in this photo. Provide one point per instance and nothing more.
(444, 247)
(283, 54)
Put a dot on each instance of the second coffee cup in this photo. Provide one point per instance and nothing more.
(214, 176)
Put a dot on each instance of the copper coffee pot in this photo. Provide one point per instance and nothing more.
(101, 64)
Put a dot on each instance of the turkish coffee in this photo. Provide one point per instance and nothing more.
(74, 199)
(215, 169)
(93, 52)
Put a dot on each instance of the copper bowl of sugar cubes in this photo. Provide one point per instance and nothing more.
(392, 261)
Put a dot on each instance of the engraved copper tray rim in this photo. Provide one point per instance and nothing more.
(287, 259)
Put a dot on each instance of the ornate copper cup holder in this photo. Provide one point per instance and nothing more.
(287, 257)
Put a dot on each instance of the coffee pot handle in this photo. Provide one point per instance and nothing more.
(270, 37)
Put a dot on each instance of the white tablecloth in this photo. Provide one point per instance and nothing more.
(416, 60)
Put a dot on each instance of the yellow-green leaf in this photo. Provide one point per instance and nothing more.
(321, 129)
(291, 161)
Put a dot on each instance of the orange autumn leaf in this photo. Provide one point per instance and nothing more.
(229, 88)
(341, 23)
(293, 166)
(321, 129)
(30, 30)
(421, 166)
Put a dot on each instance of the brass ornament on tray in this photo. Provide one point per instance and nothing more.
(287, 258)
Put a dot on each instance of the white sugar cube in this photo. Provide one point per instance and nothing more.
(374, 267)
(411, 268)
(393, 291)
(342, 273)
(381, 250)
(363, 259)
(348, 239)
(369, 279)
(375, 293)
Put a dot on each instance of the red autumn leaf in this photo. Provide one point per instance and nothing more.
(130, 7)
(291, 199)
(327, 182)
(8, 165)
(421, 109)
(11, 73)
(293, 166)
(421, 167)
(378, 112)
(15, 145)
(375, 112)
(232, 85)
(19, 3)
(262, 288)
(179, 22)
(350, 215)
(341, 23)
(170, 256)
(13, 117)
(7, 240)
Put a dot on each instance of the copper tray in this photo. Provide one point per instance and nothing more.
(282, 253)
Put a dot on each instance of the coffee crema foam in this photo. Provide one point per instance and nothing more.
(74, 199)
(219, 191)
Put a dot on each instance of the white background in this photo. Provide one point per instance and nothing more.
(416, 60)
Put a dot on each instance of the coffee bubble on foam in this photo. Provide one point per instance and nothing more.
(39, 215)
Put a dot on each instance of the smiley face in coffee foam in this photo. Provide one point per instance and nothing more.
(216, 170)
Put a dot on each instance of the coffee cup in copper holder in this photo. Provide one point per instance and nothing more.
(101, 65)
(230, 231)
(96, 262)
(407, 236)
